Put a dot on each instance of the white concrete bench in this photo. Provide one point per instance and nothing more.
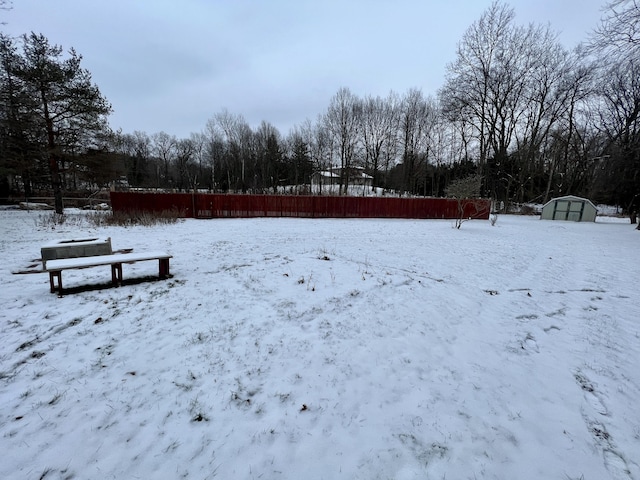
(55, 267)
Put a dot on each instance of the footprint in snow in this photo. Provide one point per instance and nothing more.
(596, 403)
(616, 465)
(530, 343)
(524, 345)
(590, 394)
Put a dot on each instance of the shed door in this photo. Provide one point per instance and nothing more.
(575, 211)
(568, 210)
(561, 211)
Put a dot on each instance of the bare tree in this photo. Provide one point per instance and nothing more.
(618, 35)
(473, 78)
(136, 150)
(342, 121)
(447, 148)
(557, 147)
(616, 44)
(378, 128)
(5, 5)
(508, 83)
(199, 141)
(185, 166)
(268, 157)
(319, 140)
(555, 83)
(416, 119)
(392, 146)
(238, 139)
(214, 149)
(619, 112)
(163, 147)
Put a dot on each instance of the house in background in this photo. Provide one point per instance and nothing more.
(570, 208)
(328, 178)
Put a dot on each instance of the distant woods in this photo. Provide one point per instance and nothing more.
(517, 109)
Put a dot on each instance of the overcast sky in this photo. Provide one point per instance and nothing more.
(171, 65)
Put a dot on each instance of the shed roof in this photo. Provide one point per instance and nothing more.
(334, 174)
(571, 198)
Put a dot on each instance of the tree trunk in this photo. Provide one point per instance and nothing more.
(54, 166)
(56, 183)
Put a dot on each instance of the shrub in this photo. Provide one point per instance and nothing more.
(125, 219)
(464, 190)
(527, 210)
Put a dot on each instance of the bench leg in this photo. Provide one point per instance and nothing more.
(116, 274)
(163, 267)
(52, 284)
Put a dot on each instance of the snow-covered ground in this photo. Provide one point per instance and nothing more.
(323, 349)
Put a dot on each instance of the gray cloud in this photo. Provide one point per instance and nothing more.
(172, 65)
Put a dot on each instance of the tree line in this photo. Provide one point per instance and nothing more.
(531, 118)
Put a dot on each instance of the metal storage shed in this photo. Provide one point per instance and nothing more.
(571, 208)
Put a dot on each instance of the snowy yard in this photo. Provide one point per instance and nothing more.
(326, 349)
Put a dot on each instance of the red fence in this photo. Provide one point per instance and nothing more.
(205, 205)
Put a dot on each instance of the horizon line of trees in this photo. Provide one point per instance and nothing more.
(531, 118)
